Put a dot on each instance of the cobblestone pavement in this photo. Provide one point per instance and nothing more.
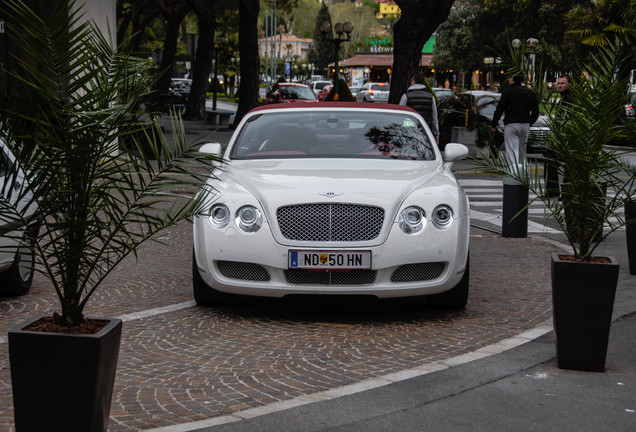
(180, 363)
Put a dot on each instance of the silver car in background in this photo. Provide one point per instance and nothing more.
(373, 92)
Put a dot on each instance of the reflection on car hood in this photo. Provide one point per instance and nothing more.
(383, 183)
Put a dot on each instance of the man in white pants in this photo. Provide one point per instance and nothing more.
(520, 108)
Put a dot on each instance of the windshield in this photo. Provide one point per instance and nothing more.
(293, 92)
(334, 134)
(379, 87)
(319, 86)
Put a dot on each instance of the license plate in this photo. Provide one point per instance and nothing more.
(329, 260)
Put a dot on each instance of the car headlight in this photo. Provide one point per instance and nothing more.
(443, 216)
(412, 220)
(219, 216)
(249, 219)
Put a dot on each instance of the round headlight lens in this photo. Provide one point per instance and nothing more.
(412, 220)
(249, 219)
(443, 216)
(219, 216)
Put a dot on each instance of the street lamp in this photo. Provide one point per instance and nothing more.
(218, 44)
(343, 32)
(531, 44)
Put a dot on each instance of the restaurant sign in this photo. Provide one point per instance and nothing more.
(379, 45)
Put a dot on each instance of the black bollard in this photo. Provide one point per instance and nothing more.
(630, 234)
(515, 209)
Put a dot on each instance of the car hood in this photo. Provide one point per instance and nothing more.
(382, 183)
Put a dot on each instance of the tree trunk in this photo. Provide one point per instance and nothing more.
(418, 21)
(174, 16)
(250, 64)
(206, 12)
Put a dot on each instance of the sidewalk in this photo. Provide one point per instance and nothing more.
(512, 386)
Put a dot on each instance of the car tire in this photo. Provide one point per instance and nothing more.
(17, 279)
(456, 297)
(204, 294)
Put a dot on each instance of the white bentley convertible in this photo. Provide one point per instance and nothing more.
(334, 199)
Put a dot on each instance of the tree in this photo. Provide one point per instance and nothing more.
(174, 12)
(475, 30)
(206, 13)
(418, 21)
(302, 18)
(134, 17)
(250, 64)
(323, 51)
(598, 24)
(363, 20)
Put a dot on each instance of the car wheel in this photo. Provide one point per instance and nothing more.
(204, 294)
(17, 279)
(456, 297)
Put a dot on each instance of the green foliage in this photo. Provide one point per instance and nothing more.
(596, 179)
(98, 203)
(477, 28)
(602, 21)
(485, 135)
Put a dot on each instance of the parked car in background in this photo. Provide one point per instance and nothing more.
(317, 86)
(333, 198)
(289, 93)
(354, 90)
(373, 92)
(17, 260)
(324, 93)
(180, 87)
(442, 93)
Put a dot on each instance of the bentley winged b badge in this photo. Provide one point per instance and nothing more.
(330, 194)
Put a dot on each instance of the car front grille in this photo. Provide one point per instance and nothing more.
(418, 272)
(243, 271)
(330, 222)
(312, 277)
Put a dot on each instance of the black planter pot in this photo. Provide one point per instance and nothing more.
(582, 302)
(63, 382)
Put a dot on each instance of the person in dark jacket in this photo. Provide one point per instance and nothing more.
(552, 165)
(520, 108)
(421, 100)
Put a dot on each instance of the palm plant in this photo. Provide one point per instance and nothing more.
(79, 99)
(596, 179)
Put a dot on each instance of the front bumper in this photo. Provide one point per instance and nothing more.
(403, 265)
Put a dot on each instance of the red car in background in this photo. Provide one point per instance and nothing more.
(324, 92)
(289, 93)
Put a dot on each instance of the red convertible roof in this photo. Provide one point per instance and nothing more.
(335, 105)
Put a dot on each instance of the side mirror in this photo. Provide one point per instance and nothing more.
(214, 149)
(453, 152)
